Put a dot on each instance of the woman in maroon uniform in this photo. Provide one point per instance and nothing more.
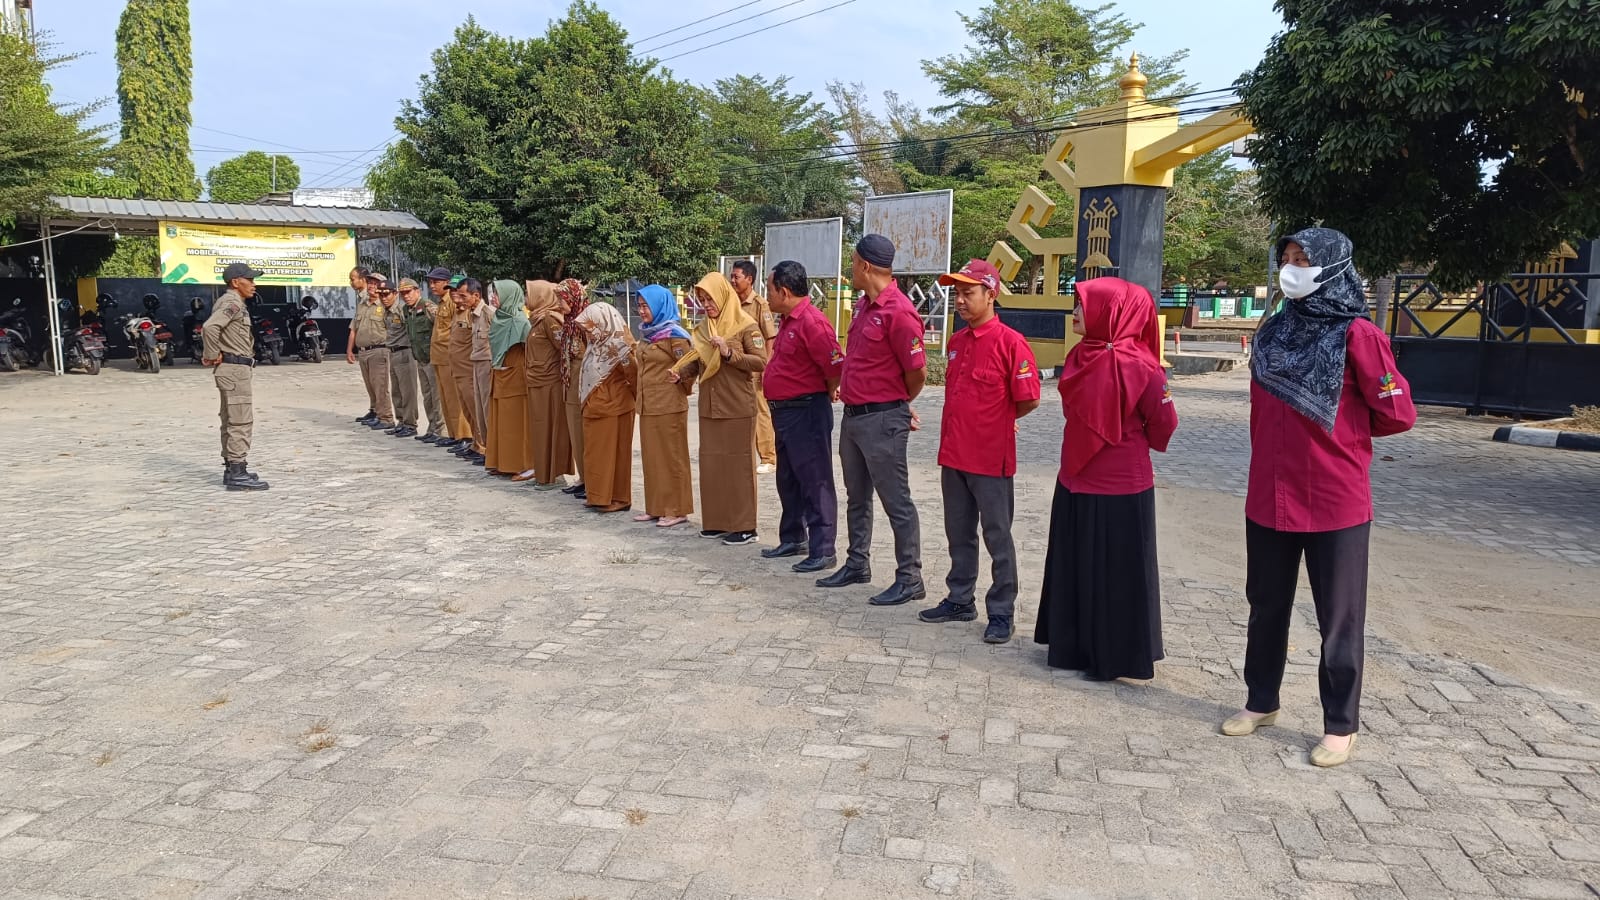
(1324, 384)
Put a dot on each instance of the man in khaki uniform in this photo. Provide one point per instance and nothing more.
(402, 365)
(419, 315)
(368, 344)
(358, 283)
(230, 350)
(755, 306)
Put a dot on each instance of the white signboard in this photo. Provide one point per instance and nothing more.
(919, 224)
(816, 244)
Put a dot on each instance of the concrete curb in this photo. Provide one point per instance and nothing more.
(1204, 363)
(1547, 437)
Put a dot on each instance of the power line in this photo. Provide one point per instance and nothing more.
(351, 166)
(765, 12)
(698, 21)
(757, 31)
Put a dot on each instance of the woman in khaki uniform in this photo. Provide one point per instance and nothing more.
(663, 411)
(606, 387)
(455, 421)
(510, 442)
(547, 408)
(573, 299)
(728, 350)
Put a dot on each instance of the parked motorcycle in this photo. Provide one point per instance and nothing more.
(269, 342)
(16, 339)
(150, 340)
(85, 343)
(196, 322)
(309, 342)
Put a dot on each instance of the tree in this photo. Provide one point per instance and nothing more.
(153, 90)
(249, 176)
(1215, 229)
(44, 145)
(1464, 133)
(554, 156)
(865, 132)
(1041, 61)
(769, 146)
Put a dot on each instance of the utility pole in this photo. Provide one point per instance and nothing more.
(274, 173)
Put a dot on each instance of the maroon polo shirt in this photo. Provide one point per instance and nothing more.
(1303, 478)
(991, 370)
(804, 355)
(1124, 467)
(885, 343)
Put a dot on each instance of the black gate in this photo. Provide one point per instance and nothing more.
(1517, 347)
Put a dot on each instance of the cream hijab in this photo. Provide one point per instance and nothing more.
(610, 345)
(731, 320)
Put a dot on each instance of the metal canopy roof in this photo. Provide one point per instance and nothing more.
(143, 216)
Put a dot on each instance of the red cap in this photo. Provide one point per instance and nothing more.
(977, 271)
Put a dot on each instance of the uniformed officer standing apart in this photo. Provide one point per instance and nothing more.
(419, 315)
(367, 345)
(743, 280)
(402, 366)
(358, 283)
(230, 350)
(802, 381)
(992, 381)
(883, 372)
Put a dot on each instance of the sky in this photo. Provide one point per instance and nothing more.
(327, 77)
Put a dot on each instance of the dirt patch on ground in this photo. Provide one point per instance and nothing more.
(1585, 419)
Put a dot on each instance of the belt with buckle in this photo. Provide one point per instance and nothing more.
(234, 359)
(865, 408)
(398, 349)
(795, 402)
(371, 347)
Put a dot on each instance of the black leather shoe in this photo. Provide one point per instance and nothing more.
(998, 632)
(478, 459)
(404, 431)
(845, 577)
(782, 550)
(949, 612)
(572, 489)
(899, 593)
(369, 417)
(429, 438)
(463, 450)
(813, 564)
(380, 425)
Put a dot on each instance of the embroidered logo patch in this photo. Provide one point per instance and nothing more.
(1166, 392)
(836, 357)
(678, 353)
(916, 346)
(1387, 387)
(953, 355)
(1025, 370)
(757, 342)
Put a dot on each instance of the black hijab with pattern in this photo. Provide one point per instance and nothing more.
(1299, 354)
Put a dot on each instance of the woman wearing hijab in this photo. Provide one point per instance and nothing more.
(727, 350)
(572, 300)
(606, 386)
(1323, 385)
(663, 411)
(547, 408)
(510, 444)
(1101, 608)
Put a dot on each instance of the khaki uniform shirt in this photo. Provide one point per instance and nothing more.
(368, 325)
(481, 317)
(227, 330)
(731, 393)
(443, 315)
(756, 308)
(395, 334)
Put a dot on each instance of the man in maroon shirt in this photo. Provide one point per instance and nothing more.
(992, 381)
(801, 382)
(883, 372)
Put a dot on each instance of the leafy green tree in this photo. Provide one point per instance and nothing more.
(1036, 61)
(249, 176)
(767, 143)
(153, 91)
(1215, 228)
(1460, 133)
(555, 156)
(44, 145)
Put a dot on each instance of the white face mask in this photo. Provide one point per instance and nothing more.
(1302, 281)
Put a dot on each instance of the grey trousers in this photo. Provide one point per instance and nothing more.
(971, 501)
(403, 385)
(430, 398)
(872, 453)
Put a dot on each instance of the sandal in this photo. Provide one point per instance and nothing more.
(645, 517)
(671, 521)
(523, 476)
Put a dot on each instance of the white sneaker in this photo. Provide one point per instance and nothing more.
(766, 469)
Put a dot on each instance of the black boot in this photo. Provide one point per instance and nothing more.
(237, 478)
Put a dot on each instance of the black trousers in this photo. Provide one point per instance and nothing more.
(974, 502)
(804, 438)
(1336, 564)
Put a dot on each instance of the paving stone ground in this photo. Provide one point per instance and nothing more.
(392, 677)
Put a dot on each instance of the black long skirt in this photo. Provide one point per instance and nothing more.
(1101, 609)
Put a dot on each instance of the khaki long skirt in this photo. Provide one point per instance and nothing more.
(728, 474)
(574, 412)
(608, 459)
(664, 447)
(455, 424)
(552, 446)
(510, 447)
